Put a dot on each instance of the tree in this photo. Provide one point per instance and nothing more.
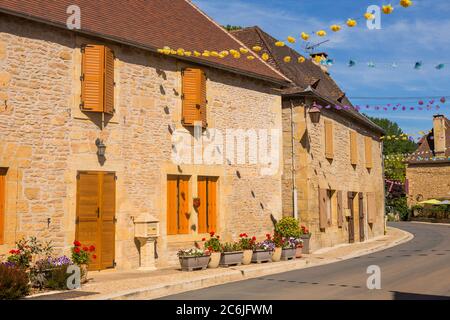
(229, 27)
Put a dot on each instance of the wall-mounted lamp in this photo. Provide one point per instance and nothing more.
(101, 147)
(314, 114)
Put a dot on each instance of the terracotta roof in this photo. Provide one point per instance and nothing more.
(305, 76)
(149, 24)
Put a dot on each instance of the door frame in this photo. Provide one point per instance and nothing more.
(351, 218)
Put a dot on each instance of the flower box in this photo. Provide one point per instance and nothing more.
(191, 263)
(305, 239)
(260, 256)
(231, 258)
(288, 254)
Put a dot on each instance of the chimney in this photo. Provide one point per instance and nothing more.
(321, 56)
(439, 131)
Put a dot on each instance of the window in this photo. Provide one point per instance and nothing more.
(178, 205)
(193, 97)
(207, 212)
(353, 148)
(368, 151)
(2, 204)
(97, 79)
(329, 137)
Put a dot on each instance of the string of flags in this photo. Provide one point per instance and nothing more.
(417, 65)
(417, 155)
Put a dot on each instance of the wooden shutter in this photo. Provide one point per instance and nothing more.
(108, 219)
(109, 81)
(323, 219)
(368, 151)
(329, 137)
(93, 78)
(172, 204)
(203, 100)
(207, 192)
(88, 228)
(340, 209)
(184, 205)
(194, 96)
(202, 210)
(353, 148)
(2, 204)
(212, 204)
(371, 207)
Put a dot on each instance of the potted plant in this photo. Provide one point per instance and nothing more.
(289, 249)
(193, 259)
(247, 245)
(214, 247)
(278, 242)
(305, 236)
(298, 248)
(231, 254)
(81, 256)
(262, 251)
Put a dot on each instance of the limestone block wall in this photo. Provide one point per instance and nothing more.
(45, 140)
(428, 181)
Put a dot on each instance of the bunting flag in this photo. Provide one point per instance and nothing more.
(429, 106)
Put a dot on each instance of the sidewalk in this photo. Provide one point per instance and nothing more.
(121, 285)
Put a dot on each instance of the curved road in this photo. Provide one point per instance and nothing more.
(418, 269)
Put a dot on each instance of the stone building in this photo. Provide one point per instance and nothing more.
(87, 124)
(333, 175)
(428, 168)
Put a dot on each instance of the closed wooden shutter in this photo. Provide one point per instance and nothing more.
(353, 148)
(212, 204)
(368, 151)
(109, 81)
(371, 207)
(2, 204)
(194, 96)
(108, 219)
(207, 213)
(178, 205)
(202, 210)
(329, 137)
(323, 219)
(184, 206)
(93, 78)
(340, 209)
(172, 204)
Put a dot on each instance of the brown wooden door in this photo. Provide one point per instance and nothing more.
(96, 216)
(2, 204)
(207, 212)
(178, 205)
(361, 217)
(351, 222)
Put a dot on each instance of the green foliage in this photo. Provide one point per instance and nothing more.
(229, 27)
(400, 206)
(245, 242)
(231, 247)
(26, 249)
(57, 279)
(13, 282)
(213, 244)
(288, 227)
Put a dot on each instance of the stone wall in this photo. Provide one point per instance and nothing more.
(428, 181)
(314, 171)
(45, 140)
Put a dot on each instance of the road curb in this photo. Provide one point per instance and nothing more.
(238, 274)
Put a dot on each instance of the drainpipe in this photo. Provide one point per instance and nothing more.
(294, 184)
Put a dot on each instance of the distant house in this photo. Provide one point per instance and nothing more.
(428, 169)
(333, 175)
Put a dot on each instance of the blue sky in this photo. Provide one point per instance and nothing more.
(418, 33)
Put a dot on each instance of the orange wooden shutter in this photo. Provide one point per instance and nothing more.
(109, 81)
(340, 209)
(353, 148)
(371, 207)
(203, 100)
(368, 151)
(323, 219)
(184, 205)
(108, 218)
(88, 228)
(172, 204)
(93, 78)
(212, 205)
(329, 148)
(202, 214)
(192, 95)
(2, 204)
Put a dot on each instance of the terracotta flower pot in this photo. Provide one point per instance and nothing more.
(215, 260)
(276, 254)
(247, 258)
(298, 252)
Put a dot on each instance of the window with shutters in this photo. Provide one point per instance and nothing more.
(329, 140)
(368, 151)
(2, 203)
(207, 212)
(178, 205)
(193, 97)
(97, 79)
(354, 148)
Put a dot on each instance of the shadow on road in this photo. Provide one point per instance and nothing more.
(415, 296)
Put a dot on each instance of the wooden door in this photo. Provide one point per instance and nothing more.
(2, 204)
(96, 216)
(178, 205)
(351, 222)
(207, 212)
(361, 217)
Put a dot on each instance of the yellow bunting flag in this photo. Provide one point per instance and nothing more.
(351, 23)
(321, 33)
(305, 36)
(265, 56)
(257, 48)
(369, 16)
(279, 44)
(387, 9)
(405, 3)
(287, 59)
(335, 28)
(301, 59)
(291, 39)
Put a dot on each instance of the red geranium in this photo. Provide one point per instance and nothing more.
(85, 249)
(76, 250)
(203, 239)
(77, 243)
(94, 256)
(91, 248)
(212, 233)
(254, 238)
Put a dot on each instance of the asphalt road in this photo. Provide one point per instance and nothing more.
(418, 269)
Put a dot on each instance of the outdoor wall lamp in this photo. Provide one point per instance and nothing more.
(314, 114)
(101, 147)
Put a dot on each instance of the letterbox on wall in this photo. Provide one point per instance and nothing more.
(146, 226)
